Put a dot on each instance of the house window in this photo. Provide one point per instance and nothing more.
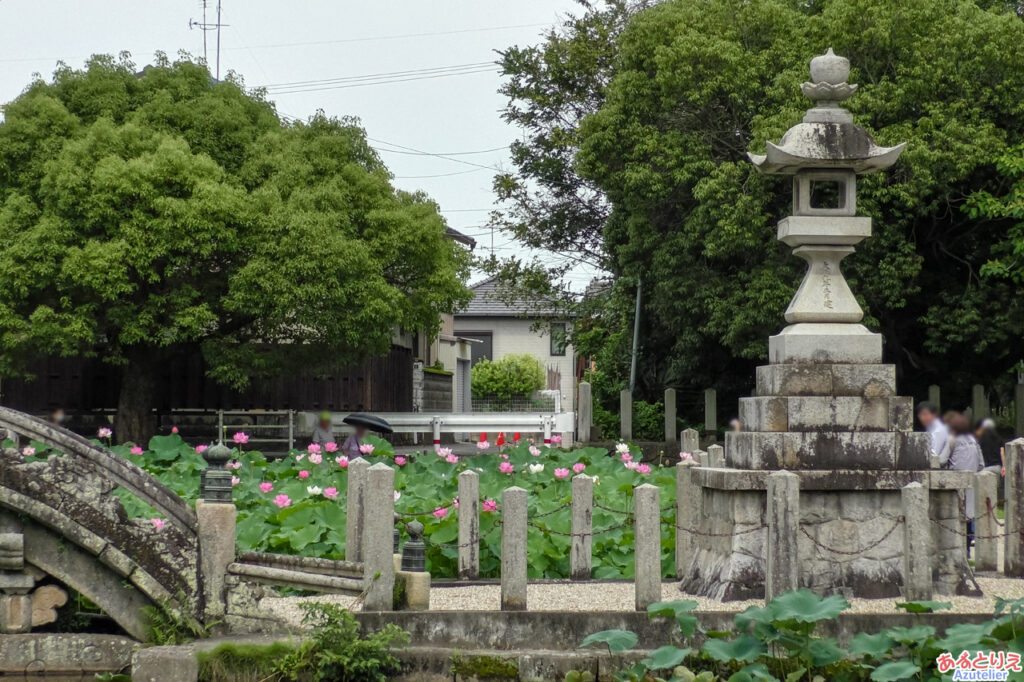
(558, 338)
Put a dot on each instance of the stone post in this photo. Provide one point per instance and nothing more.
(1019, 409)
(216, 533)
(354, 509)
(1013, 562)
(979, 402)
(716, 456)
(647, 545)
(513, 549)
(469, 525)
(917, 550)
(626, 415)
(986, 498)
(584, 412)
(582, 527)
(935, 397)
(687, 515)
(670, 418)
(689, 441)
(710, 411)
(378, 531)
(782, 572)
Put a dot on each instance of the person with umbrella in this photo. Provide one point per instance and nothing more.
(362, 423)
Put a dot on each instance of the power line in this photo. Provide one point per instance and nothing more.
(390, 37)
(440, 156)
(343, 79)
(437, 175)
(384, 81)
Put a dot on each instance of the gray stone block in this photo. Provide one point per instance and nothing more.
(901, 413)
(824, 343)
(780, 380)
(165, 664)
(826, 450)
(838, 413)
(868, 380)
(913, 450)
(764, 414)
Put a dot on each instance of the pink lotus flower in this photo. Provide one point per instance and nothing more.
(490, 506)
(503, 455)
(331, 493)
(626, 457)
(303, 474)
(330, 446)
(643, 469)
(506, 468)
(301, 456)
(235, 480)
(556, 439)
(561, 473)
(200, 449)
(535, 451)
(316, 459)
(482, 445)
(440, 512)
(444, 453)
(283, 501)
(104, 432)
(632, 465)
(158, 523)
(579, 467)
(342, 461)
(366, 449)
(236, 465)
(266, 487)
(28, 451)
(240, 438)
(400, 461)
(685, 456)
(313, 448)
(397, 495)
(531, 440)
(455, 503)
(136, 450)
(451, 459)
(174, 429)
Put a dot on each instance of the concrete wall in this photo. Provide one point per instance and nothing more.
(437, 391)
(515, 335)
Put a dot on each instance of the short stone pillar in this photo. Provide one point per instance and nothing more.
(710, 411)
(687, 515)
(783, 512)
(580, 549)
(917, 550)
(689, 441)
(469, 525)
(935, 396)
(354, 506)
(216, 533)
(626, 415)
(716, 456)
(670, 418)
(1019, 409)
(584, 412)
(513, 549)
(979, 402)
(1013, 524)
(378, 530)
(165, 664)
(986, 530)
(647, 545)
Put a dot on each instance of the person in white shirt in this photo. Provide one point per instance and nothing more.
(928, 415)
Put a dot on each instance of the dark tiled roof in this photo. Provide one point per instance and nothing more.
(487, 303)
(461, 238)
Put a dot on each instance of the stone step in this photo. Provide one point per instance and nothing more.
(869, 381)
(872, 450)
(826, 413)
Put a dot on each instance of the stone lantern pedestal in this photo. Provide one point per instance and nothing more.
(825, 408)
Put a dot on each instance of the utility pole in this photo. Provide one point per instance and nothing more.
(205, 27)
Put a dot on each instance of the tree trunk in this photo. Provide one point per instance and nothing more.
(136, 421)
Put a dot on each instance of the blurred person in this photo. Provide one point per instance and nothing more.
(352, 443)
(324, 430)
(928, 415)
(734, 425)
(991, 444)
(965, 455)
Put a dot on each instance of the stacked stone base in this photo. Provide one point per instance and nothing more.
(844, 432)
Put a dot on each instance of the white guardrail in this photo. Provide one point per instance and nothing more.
(471, 422)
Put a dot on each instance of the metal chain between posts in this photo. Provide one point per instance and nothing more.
(612, 510)
(580, 535)
(694, 531)
(842, 552)
(964, 534)
(991, 513)
(461, 545)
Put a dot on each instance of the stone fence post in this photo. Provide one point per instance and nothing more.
(354, 509)
(584, 412)
(716, 456)
(710, 411)
(647, 545)
(580, 551)
(1019, 408)
(687, 514)
(979, 402)
(670, 418)
(782, 572)
(469, 525)
(513, 549)
(917, 551)
(378, 538)
(1013, 523)
(626, 415)
(986, 499)
(216, 530)
(689, 441)
(935, 396)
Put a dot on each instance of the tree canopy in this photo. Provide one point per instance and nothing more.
(687, 87)
(158, 212)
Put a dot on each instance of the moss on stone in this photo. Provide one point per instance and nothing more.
(485, 667)
(242, 662)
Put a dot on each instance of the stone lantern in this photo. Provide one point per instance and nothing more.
(824, 484)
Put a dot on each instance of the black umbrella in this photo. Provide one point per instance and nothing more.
(368, 421)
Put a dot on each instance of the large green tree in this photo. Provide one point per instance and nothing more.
(692, 85)
(150, 214)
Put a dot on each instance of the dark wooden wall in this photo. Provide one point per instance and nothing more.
(79, 385)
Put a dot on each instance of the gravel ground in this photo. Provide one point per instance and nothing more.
(618, 596)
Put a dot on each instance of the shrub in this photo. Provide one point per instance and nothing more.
(514, 375)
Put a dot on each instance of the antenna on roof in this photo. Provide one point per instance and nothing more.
(205, 27)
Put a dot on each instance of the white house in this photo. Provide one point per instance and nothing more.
(500, 329)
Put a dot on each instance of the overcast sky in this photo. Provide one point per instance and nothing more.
(308, 42)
